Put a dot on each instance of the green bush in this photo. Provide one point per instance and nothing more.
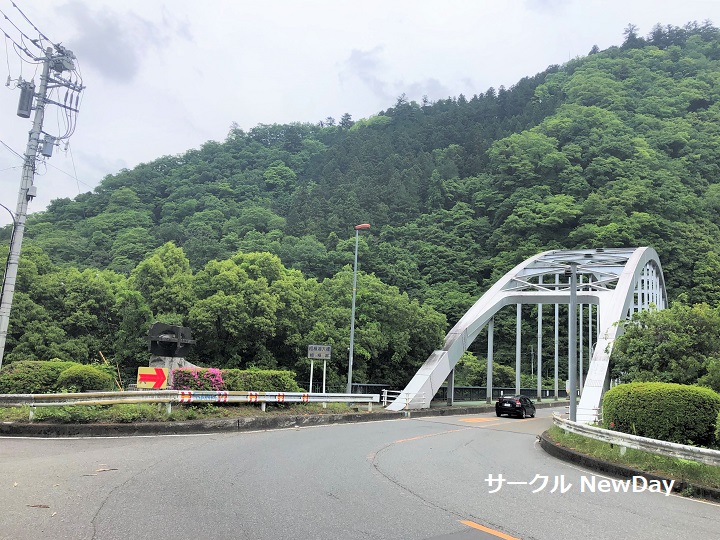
(69, 414)
(197, 379)
(32, 376)
(665, 411)
(717, 431)
(127, 413)
(260, 380)
(81, 377)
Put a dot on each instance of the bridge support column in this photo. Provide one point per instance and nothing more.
(557, 340)
(451, 388)
(489, 388)
(580, 346)
(539, 352)
(518, 348)
(572, 341)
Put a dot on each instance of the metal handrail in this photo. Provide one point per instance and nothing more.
(663, 448)
(389, 396)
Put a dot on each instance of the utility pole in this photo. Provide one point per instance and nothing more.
(58, 60)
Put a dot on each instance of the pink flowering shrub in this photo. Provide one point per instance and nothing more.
(197, 379)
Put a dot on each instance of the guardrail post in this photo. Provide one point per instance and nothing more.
(168, 409)
(32, 413)
(262, 406)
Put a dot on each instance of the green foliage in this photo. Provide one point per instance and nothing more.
(665, 411)
(70, 414)
(679, 469)
(472, 371)
(136, 412)
(260, 380)
(248, 240)
(711, 378)
(197, 379)
(32, 377)
(679, 344)
(85, 414)
(80, 378)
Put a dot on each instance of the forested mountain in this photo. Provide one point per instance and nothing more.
(618, 148)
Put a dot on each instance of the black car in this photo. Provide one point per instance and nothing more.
(519, 406)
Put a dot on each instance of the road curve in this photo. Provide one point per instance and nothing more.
(419, 479)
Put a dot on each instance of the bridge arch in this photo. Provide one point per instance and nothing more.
(618, 281)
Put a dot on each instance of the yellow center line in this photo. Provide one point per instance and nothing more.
(487, 530)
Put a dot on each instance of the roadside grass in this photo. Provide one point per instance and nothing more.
(678, 469)
(156, 412)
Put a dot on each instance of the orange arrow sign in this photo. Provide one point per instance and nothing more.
(152, 377)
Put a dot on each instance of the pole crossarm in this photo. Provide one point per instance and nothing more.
(618, 281)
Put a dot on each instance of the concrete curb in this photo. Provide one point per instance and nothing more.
(623, 471)
(249, 423)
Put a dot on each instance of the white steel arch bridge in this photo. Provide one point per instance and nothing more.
(611, 282)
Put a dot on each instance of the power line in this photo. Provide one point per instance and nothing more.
(7, 55)
(42, 36)
(17, 45)
(13, 151)
(72, 158)
(70, 175)
(23, 34)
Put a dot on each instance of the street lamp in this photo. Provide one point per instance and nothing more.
(358, 228)
(4, 303)
(572, 338)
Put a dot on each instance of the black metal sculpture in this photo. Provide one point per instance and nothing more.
(169, 341)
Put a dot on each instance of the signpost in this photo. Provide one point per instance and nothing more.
(150, 377)
(321, 352)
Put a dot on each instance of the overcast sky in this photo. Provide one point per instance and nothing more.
(163, 77)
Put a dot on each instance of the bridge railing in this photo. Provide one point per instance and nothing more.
(389, 396)
(479, 393)
(663, 448)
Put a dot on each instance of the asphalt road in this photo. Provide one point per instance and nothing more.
(403, 479)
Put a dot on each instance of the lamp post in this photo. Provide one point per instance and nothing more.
(358, 228)
(5, 310)
(572, 338)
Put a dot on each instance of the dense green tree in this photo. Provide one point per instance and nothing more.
(671, 345)
(165, 281)
(619, 148)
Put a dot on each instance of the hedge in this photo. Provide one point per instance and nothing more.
(32, 376)
(260, 380)
(236, 380)
(80, 378)
(197, 379)
(665, 411)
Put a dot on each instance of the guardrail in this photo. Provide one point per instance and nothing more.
(179, 396)
(663, 448)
